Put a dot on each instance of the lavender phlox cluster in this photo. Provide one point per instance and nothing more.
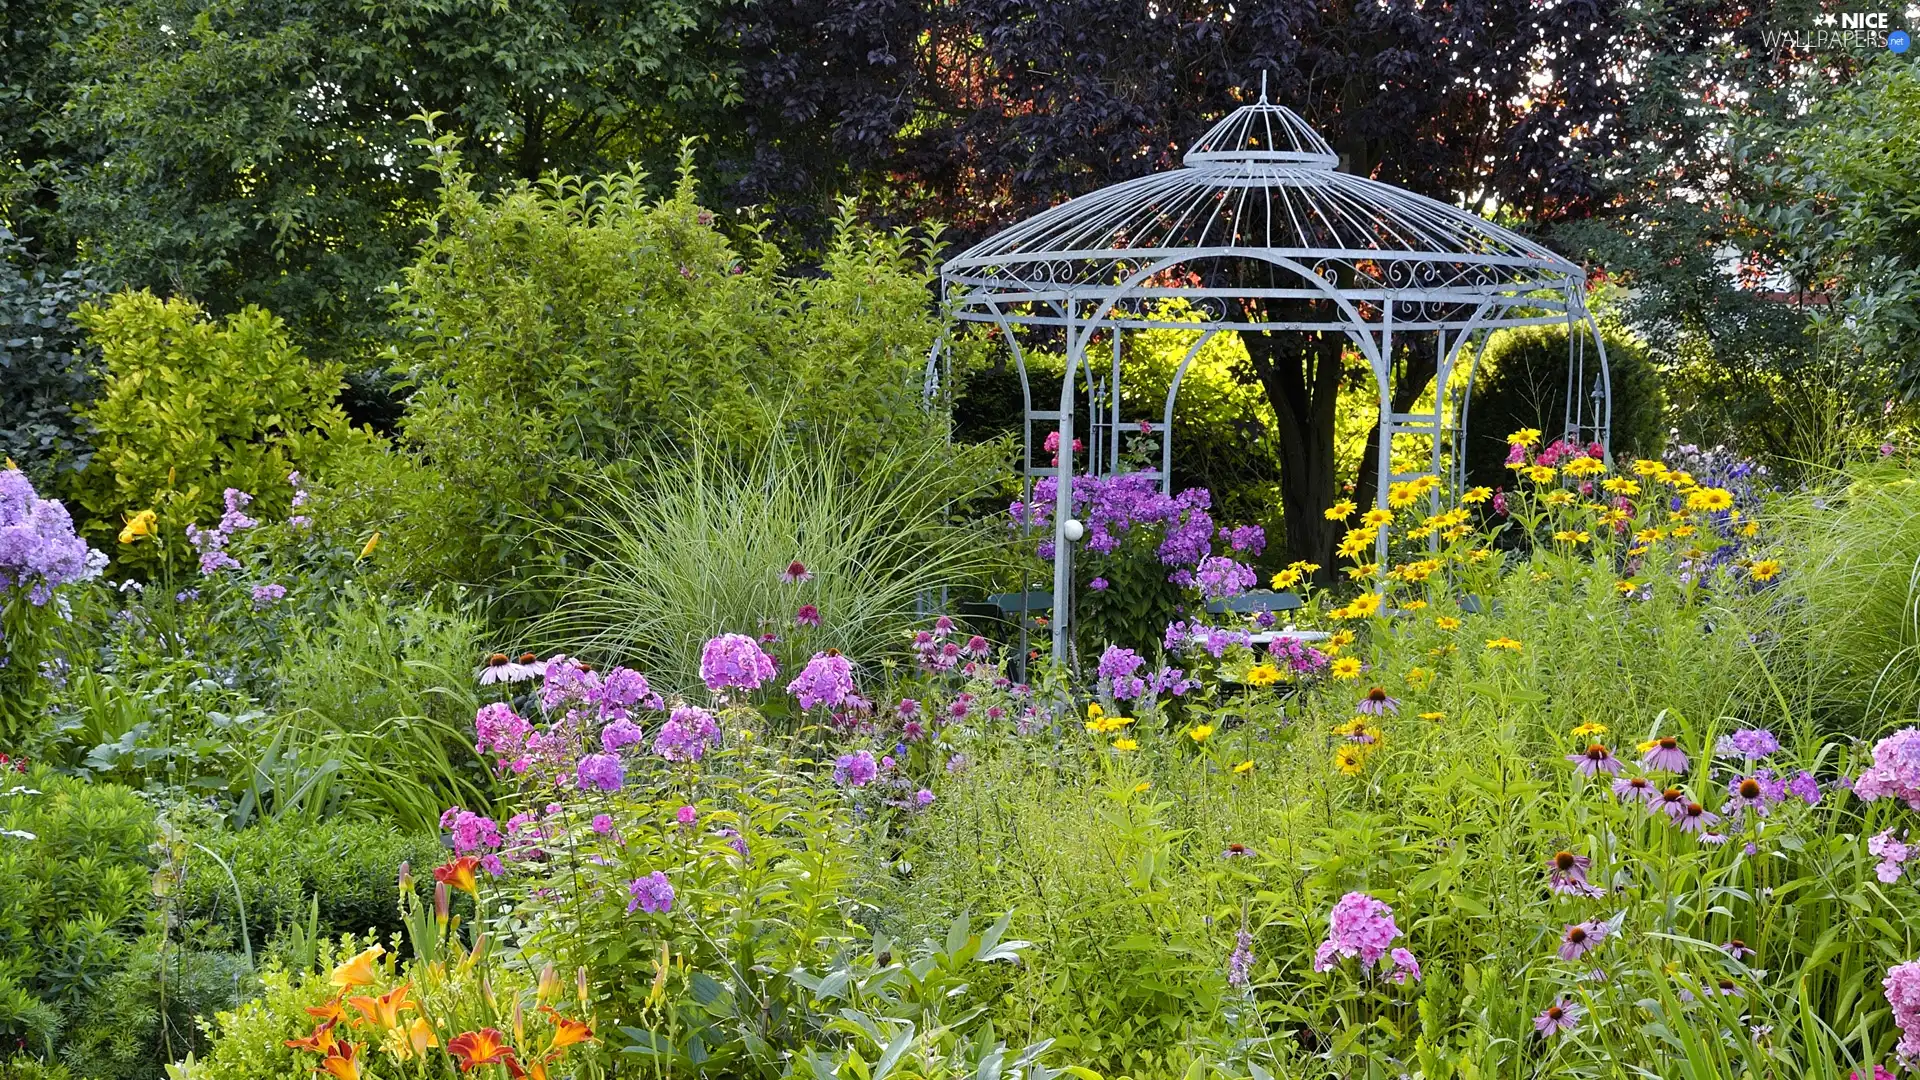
(469, 832)
(300, 498)
(1362, 926)
(1895, 772)
(621, 691)
(211, 544)
(1251, 539)
(1222, 578)
(1749, 743)
(855, 770)
(1111, 506)
(39, 551)
(265, 596)
(734, 661)
(1299, 657)
(1240, 962)
(826, 680)
(600, 772)
(652, 894)
(687, 735)
(1117, 670)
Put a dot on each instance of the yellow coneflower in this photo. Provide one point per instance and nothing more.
(1340, 511)
(1447, 622)
(1243, 768)
(1350, 760)
(1503, 643)
(1125, 745)
(1263, 675)
(1526, 436)
(1345, 667)
(1589, 729)
(1764, 570)
(1200, 733)
(1377, 517)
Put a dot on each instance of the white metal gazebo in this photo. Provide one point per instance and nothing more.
(1259, 231)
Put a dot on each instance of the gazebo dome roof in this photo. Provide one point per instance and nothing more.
(1260, 185)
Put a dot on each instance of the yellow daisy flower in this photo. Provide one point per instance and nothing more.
(1503, 643)
(1346, 667)
(1764, 570)
(1341, 510)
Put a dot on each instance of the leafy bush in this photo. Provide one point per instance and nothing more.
(698, 545)
(566, 325)
(44, 362)
(351, 866)
(73, 895)
(1522, 383)
(189, 407)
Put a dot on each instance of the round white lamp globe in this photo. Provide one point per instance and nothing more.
(1072, 530)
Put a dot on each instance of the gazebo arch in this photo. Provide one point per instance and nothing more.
(1259, 218)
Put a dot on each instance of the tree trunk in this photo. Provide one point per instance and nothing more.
(1300, 373)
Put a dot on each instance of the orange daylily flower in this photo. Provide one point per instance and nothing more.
(320, 1042)
(384, 1011)
(343, 1063)
(329, 1012)
(566, 1032)
(420, 1035)
(484, 1047)
(459, 874)
(359, 970)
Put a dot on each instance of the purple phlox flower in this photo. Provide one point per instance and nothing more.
(1560, 1018)
(1903, 993)
(795, 573)
(687, 735)
(622, 689)
(652, 894)
(686, 815)
(620, 734)
(469, 832)
(569, 684)
(492, 865)
(1117, 671)
(1240, 962)
(265, 596)
(500, 731)
(1098, 584)
(1405, 967)
(1895, 773)
(1595, 759)
(923, 797)
(1359, 925)
(1693, 818)
(734, 661)
(1749, 743)
(1377, 703)
(827, 680)
(1666, 756)
(1891, 852)
(1582, 938)
(855, 770)
(1170, 680)
(602, 824)
(808, 615)
(601, 772)
(1222, 578)
(1630, 789)
(1805, 788)
(1251, 539)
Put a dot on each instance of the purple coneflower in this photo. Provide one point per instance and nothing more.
(497, 669)
(1632, 789)
(1581, 939)
(1666, 756)
(1748, 793)
(796, 572)
(976, 647)
(1694, 817)
(1713, 837)
(1595, 759)
(1560, 1018)
(1567, 872)
(1672, 802)
(808, 615)
(1737, 949)
(1377, 703)
(1237, 851)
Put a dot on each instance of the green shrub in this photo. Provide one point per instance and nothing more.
(188, 407)
(44, 362)
(147, 1013)
(557, 328)
(73, 893)
(1522, 383)
(696, 546)
(352, 866)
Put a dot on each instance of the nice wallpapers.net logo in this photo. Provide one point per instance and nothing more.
(1842, 30)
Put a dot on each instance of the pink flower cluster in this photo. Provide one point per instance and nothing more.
(1892, 853)
(734, 661)
(827, 680)
(1903, 993)
(687, 735)
(1895, 773)
(939, 654)
(469, 831)
(1362, 926)
(212, 543)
